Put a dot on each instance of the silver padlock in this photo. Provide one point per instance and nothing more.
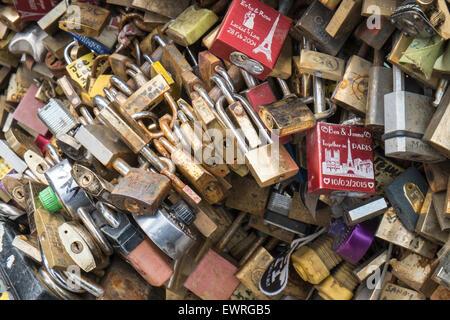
(406, 116)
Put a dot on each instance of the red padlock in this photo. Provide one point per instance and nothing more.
(251, 36)
(33, 10)
(340, 159)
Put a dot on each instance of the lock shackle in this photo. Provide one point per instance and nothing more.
(67, 51)
(62, 293)
(138, 20)
(137, 48)
(121, 85)
(398, 79)
(330, 111)
(224, 117)
(255, 118)
(169, 164)
(145, 115)
(133, 67)
(148, 58)
(351, 119)
(139, 78)
(86, 114)
(96, 63)
(221, 84)
(250, 81)
(157, 38)
(100, 102)
(204, 95)
(9, 211)
(191, 55)
(160, 148)
(285, 88)
(94, 231)
(186, 109)
(167, 130)
(182, 116)
(181, 137)
(53, 153)
(56, 275)
(108, 213)
(221, 71)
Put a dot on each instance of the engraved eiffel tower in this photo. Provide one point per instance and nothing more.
(266, 46)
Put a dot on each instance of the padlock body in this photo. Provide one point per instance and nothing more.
(255, 30)
(340, 158)
(406, 118)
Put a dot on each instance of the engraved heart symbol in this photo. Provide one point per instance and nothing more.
(370, 184)
(326, 180)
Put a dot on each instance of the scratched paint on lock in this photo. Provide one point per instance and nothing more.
(255, 30)
(340, 159)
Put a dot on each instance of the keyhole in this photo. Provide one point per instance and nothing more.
(76, 247)
(18, 193)
(41, 168)
(86, 180)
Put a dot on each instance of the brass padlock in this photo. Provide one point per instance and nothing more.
(84, 19)
(351, 92)
(345, 19)
(190, 25)
(287, 116)
(49, 22)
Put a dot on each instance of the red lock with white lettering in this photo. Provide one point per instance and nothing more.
(340, 160)
(33, 10)
(251, 36)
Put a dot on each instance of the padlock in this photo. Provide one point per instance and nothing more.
(20, 142)
(383, 8)
(57, 117)
(168, 229)
(404, 128)
(321, 65)
(345, 19)
(251, 45)
(259, 223)
(214, 276)
(20, 276)
(265, 171)
(47, 225)
(428, 224)
(375, 35)
(437, 175)
(380, 84)
(327, 172)
(395, 292)
(202, 180)
(313, 25)
(80, 246)
(391, 229)
(37, 164)
(374, 263)
(138, 250)
(84, 19)
(10, 17)
(29, 41)
(27, 112)
(169, 9)
(415, 271)
(14, 161)
(122, 282)
(250, 273)
(340, 285)
(92, 183)
(406, 194)
(190, 25)
(439, 203)
(31, 192)
(351, 92)
(313, 262)
(285, 223)
(48, 22)
(287, 116)
(402, 43)
(31, 11)
(365, 211)
(352, 242)
(435, 134)
(441, 274)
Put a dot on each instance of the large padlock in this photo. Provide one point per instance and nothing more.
(345, 19)
(406, 116)
(255, 43)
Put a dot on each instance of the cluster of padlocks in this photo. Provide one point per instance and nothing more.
(230, 149)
